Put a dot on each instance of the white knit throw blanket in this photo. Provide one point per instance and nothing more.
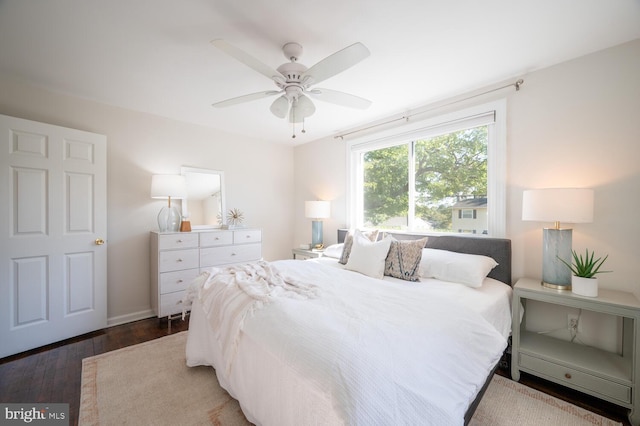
(229, 295)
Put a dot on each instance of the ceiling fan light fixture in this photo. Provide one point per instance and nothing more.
(295, 79)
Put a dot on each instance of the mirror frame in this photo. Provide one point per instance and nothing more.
(187, 169)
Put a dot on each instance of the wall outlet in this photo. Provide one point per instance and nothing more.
(572, 323)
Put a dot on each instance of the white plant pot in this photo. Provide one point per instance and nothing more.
(584, 286)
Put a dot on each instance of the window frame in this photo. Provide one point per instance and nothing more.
(437, 124)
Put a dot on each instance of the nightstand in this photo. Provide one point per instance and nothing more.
(610, 376)
(304, 254)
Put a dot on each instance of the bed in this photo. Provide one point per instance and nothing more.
(321, 342)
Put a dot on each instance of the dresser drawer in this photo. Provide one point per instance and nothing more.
(177, 281)
(214, 256)
(247, 236)
(177, 241)
(574, 378)
(216, 238)
(176, 260)
(170, 304)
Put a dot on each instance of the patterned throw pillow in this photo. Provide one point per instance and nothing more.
(403, 260)
(348, 243)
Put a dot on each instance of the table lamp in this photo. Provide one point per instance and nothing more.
(569, 205)
(166, 187)
(317, 210)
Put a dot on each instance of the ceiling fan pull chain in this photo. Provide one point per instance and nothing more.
(303, 130)
(293, 125)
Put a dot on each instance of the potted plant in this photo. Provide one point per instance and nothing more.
(584, 281)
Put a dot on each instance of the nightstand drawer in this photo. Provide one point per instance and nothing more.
(216, 238)
(176, 260)
(177, 241)
(214, 256)
(177, 281)
(247, 236)
(574, 378)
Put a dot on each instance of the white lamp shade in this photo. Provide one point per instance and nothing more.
(165, 186)
(317, 209)
(568, 205)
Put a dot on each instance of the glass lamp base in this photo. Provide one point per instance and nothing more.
(169, 219)
(316, 233)
(556, 246)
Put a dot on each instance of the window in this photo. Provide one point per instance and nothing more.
(467, 214)
(445, 174)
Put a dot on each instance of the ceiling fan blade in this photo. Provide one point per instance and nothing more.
(245, 98)
(340, 98)
(280, 107)
(246, 59)
(338, 62)
(301, 109)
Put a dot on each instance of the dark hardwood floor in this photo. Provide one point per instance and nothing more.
(52, 373)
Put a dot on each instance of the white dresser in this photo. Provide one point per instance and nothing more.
(178, 257)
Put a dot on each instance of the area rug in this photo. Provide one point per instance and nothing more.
(149, 384)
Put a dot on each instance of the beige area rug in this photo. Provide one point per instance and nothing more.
(149, 384)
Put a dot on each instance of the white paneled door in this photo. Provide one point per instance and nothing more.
(53, 225)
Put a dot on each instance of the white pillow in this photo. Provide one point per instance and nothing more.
(463, 268)
(334, 250)
(368, 257)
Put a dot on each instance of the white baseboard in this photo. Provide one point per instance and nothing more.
(136, 316)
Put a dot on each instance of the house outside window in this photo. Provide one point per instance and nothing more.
(469, 215)
(439, 178)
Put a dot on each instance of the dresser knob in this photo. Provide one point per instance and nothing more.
(567, 375)
(248, 236)
(179, 281)
(179, 241)
(179, 260)
(233, 254)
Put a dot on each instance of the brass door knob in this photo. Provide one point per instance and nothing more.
(99, 241)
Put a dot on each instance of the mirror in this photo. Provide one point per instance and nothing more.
(204, 205)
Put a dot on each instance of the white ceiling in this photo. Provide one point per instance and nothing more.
(155, 56)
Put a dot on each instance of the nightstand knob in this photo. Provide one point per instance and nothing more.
(567, 375)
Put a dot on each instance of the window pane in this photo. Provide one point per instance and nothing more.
(386, 184)
(451, 182)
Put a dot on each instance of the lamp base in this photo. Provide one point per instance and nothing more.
(556, 245)
(316, 233)
(559, 287)
(169, 219)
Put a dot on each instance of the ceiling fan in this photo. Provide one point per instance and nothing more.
(294, 80)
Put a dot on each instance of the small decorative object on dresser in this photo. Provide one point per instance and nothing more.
(234, 219)
(185, 226)
(584, 281)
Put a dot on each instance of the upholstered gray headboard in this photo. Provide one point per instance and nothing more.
(497, 248)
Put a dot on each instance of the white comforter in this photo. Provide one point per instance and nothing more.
(341, 348)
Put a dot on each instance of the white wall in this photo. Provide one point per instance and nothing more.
(259, 180)
(574, 124)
